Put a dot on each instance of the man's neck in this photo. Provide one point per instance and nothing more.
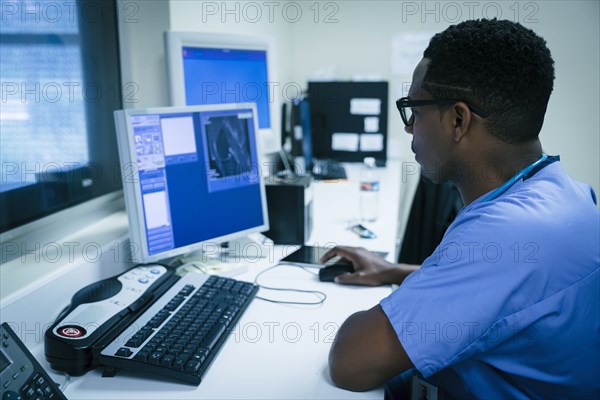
(495, 168)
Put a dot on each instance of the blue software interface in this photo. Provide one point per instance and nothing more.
(198, 176)
(216, 76)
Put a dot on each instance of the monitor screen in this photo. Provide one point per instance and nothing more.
(193, 177)
(215, 76)
(211, 68)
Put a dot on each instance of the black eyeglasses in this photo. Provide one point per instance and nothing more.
(405, 105)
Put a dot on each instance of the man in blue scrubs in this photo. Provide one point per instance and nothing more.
(508, 304)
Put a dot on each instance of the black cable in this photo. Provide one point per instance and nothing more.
(318, 293)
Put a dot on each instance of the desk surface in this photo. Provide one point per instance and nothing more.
(279, 351)
(276, 351)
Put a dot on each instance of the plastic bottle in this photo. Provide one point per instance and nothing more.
(369, 190)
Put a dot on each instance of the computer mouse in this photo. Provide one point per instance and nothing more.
(328, 274)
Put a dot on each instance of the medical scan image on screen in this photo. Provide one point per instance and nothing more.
(229, 154)
(228, 146)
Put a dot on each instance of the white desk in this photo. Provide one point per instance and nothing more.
(278, 351)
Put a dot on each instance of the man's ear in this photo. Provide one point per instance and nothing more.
(461, 115)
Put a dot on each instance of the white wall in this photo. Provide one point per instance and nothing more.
(360, 42)
(572, 125)
(356, 36)
(239, 18)
(142, 51)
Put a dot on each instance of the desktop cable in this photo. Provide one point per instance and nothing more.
(322, 296)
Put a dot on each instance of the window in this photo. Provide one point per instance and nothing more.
(60, 82)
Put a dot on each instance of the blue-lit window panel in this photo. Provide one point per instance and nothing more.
(57, 147)
(42, 118)
(44, 16)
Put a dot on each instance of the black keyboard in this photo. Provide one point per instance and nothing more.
(328, 170)
(180, 334)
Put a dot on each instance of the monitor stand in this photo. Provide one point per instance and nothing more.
(249, 249)
(230, 258)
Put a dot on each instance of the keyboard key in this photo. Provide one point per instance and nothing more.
(183, 357)
(124, 352)
(177, 347)
(201, 354)
(193, 366)
(141, 356)
(212, 337)
(187, 352)
(246, 290)
(179, 363)
(187, 289)
(167, 360)
(134, 342)
(155, 357)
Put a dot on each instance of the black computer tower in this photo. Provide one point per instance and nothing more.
(290, 209)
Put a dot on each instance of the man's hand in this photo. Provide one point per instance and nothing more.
(370, 269)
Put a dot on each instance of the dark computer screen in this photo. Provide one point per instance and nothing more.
(216, 76)
(307, 145)
(348, 120)
(198, 176)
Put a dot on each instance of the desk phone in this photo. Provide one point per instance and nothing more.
(148, 320)
(21, 376)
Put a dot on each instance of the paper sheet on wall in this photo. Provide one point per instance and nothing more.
(365, 106)
(400, 89)
(344, 141)
(371, 124)
(407, 51)
(371, 142)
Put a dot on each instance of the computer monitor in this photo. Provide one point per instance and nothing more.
(349, 120)
(215, 68)
(191, 176)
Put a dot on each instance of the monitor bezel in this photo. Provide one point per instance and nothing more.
(133, 194)
(174, 43)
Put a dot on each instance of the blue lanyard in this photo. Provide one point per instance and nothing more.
(514, 179)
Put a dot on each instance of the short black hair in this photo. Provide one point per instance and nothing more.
(498, 66)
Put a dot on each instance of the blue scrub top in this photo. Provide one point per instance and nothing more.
(508, 306)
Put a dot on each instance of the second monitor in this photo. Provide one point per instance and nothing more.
(348, 120)
(216, 68)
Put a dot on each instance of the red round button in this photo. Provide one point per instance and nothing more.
(72, 331)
